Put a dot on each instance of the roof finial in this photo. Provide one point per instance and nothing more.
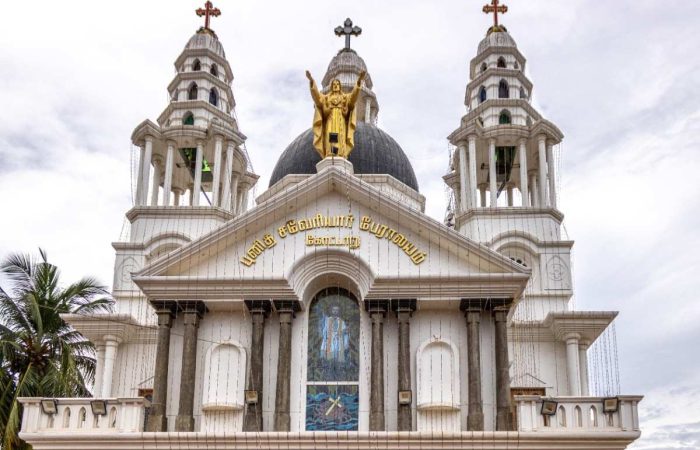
(495, 8)
(207, 12)
(348, 30)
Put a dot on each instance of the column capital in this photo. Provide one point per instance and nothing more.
(287, 306)
(541, 138)
(583, 344)
(377, 306)
(259, 306)
(148, 139)
(193, 306)
(111, 339)
(571, 337)
(522, 141)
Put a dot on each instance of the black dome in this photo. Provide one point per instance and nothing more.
(375, 152)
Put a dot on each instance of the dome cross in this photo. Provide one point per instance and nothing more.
(208, 11)
(495, 7)
(348, 30)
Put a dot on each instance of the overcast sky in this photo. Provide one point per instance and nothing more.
(621, 79)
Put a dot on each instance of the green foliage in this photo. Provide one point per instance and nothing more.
(40, 354)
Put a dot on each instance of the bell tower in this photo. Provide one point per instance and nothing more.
(194, 172)
(503, 171)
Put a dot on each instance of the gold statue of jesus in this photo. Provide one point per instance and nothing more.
(334, 118)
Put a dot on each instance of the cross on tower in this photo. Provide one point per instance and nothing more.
(495, 8)
(207, 12)
(348, 30)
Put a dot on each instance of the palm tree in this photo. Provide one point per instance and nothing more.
(40, 354)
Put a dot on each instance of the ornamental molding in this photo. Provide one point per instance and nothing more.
(159, 212)
(202, 74)
(195, 52)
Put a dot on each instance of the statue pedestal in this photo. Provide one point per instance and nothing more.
(335, 161)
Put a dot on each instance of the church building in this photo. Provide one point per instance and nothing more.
(329, 311)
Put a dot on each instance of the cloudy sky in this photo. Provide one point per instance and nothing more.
(621, 79)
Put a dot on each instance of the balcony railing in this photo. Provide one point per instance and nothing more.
(582, 414)
(75, 415)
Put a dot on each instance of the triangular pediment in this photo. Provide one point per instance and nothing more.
(334, 216)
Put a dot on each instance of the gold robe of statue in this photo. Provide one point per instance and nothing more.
(334, 118)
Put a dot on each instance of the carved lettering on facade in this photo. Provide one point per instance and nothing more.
(319, 221)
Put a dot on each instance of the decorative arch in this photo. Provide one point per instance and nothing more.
(214, 70)
(188, 118)
(328, 267)
(196, 65)
(503, 89)
(504, 118)
(523, 95)
(482, 94)
(214, 96)
(561, 417)
(333, 361)
(192, 91)
(66, 417)
(501, 62)
(484, 67)
(437, 382)
(224, 377)
(164, 243)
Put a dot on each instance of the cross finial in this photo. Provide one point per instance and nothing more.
(348, 30)
(208, 12)
(495, 8)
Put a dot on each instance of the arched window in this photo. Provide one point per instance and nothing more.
(214, 70)
(196, 65)
(482, 94)
(522, 93)
(593, 417)
(214, 97)
(516, 66)
(503, 90)
(333, 362)
(501, 62)
(82, 417)
(504, 118)
(192, 92)
(578, 417)
(66, 417)
(561, 417)
(188, 119)
(484, 67)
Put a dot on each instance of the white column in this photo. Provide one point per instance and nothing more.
(534, 192)
(168, 181)
(551, 176)
(139, 175)
(146, 170)
(368, 110)
(523, 173)
(572, 363)
(482, 194)
(234, 193)
(493, 187)
(463, 181)
(472, 171)
(99, 369)
(156, 182)
(111, 345)
(197, 188)
(583, 365)
(218, 145)
(542, 175)
(226, 191)
(509, 193)
(177, 193)
(244, 199)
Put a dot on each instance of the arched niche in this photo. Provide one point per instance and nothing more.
(224, 387)
(437, 382)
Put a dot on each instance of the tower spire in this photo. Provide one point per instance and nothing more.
(495, 7)
(208, 11)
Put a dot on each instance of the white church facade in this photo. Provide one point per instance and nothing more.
(331, 311)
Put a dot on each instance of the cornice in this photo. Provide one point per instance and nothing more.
(497, 72)
(190, 105)
(157, 212)
(553, 213)
(493, 50)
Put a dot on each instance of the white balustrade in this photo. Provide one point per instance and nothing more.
(582, 414)
(74, 415)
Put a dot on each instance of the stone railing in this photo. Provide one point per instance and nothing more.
(75, 415)
(582, 414)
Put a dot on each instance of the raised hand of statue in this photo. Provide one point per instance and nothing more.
(311, 79)
(361, 78)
